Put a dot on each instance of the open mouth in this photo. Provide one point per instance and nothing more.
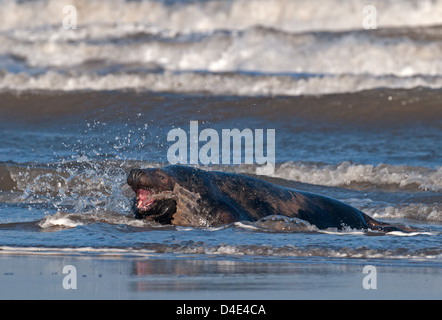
(150, 206)
(144, 199)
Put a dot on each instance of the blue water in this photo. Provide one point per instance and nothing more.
(63, 182)
(357, 116)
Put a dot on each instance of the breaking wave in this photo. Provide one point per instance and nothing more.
(280, 47)
(347, 174)
(240, 84)
(190, 16)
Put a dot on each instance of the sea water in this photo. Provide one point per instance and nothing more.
(357, 116)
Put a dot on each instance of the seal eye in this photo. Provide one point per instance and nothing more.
(161, 177)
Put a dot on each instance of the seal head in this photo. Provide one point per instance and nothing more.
(180, 195)
(148, 184)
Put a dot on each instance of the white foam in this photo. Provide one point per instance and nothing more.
(343, 232)
(180, 228)
(417, 211)
(217, 84)
(72, 220)
(225, 250)
(239, 14)
(270, 38)
(254, 50)
(245, 226)
(409, 234)
(82, 251)
(234, 250)
(347, 173)
(58, 220)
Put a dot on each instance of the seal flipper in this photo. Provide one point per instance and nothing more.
(383, 226)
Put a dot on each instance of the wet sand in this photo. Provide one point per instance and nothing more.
(40, 276)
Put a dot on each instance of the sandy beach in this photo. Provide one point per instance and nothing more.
(40, 276)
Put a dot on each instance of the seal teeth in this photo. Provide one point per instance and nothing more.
(144, 199)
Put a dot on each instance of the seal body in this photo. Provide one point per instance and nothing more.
(181, 195)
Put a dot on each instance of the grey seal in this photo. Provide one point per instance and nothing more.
(188, 196)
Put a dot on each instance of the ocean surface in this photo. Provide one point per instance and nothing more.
(357, 116)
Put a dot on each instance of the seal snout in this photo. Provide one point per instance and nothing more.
(134, 176)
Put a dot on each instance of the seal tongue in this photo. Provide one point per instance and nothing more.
(144, 199)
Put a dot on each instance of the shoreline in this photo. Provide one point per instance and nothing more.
(201, 277)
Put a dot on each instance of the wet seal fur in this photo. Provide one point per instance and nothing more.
(188, 196)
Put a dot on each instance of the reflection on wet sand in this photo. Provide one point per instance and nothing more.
(222, 275)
